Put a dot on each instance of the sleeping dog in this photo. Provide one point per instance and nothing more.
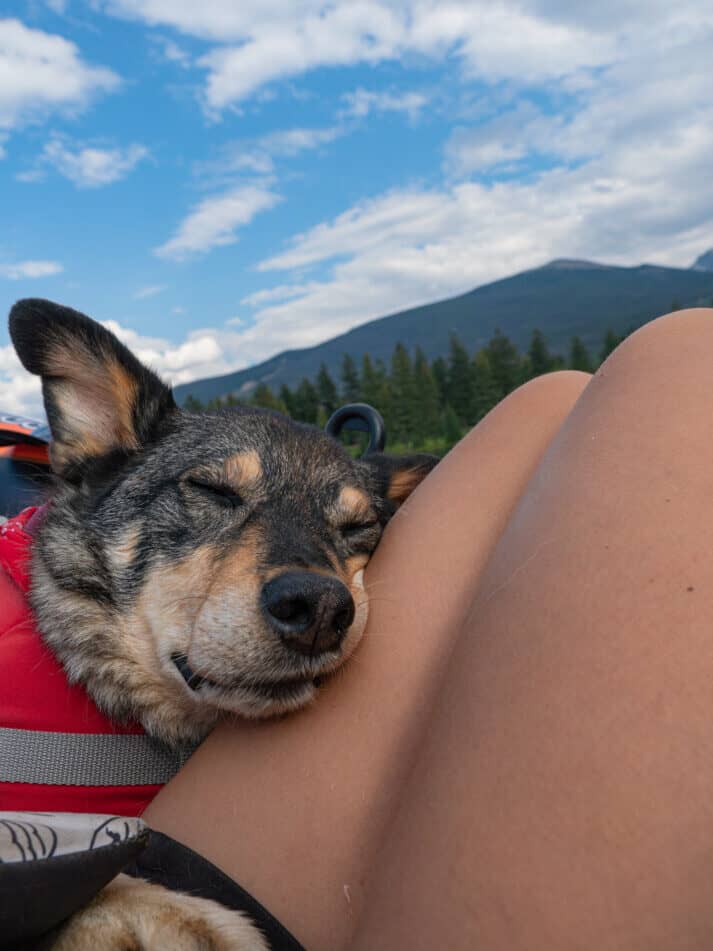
(190, 565)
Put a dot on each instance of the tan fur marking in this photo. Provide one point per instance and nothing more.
(244, 467)
(123, 552)
(353, 503)
(166, 610)
(353, 565)
(173, 594)
(240, 567)
(124, 391)
(97, 396)
(403, 483)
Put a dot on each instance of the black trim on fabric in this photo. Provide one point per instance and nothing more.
(172, 864)
(36, 896)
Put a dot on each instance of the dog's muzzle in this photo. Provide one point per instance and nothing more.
(309, 612)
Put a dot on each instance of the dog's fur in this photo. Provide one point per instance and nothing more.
(150, 569)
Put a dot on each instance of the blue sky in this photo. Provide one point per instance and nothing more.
(219, 181)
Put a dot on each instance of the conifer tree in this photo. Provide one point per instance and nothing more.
(452, 430)
(403, 392)
(439, 369)
(375, 386)
(486, 392)
(264, 397)
(192, 404)
(286, 399)
(427, 416)
(351, 385)
(305, 402)
(540, 357)
(579, 358)
(327, 390)
(370, 383)
(459, 393)
(611, 342)
(505, 363)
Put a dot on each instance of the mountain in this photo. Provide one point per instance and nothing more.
(704, 262)
(563, 298)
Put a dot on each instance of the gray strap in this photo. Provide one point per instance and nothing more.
(86, 759)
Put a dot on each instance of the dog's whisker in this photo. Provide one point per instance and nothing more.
(375, 601)
(372, 584)
(369, 633)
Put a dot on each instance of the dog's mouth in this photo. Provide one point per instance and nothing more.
(270, 689)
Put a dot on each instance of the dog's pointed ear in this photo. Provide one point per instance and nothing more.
(99, 398)
(393, 478)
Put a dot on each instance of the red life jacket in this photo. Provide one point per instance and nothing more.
(58, 751)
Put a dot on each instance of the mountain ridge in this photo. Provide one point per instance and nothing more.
(704, 262)
(565, 297)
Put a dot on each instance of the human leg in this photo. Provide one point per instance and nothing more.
(294, 809)
(563, 797)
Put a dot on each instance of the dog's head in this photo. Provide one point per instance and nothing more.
(192, 563)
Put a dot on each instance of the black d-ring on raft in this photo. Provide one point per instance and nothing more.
(362, 417)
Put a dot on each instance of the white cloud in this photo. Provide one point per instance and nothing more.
(291, 142)
(258, 155)
(503, 140)
(88, 166)
(42, 73)
(361, 102)
(151, 291)
(283, 292)
(400, 216)
(20, 392)
(215, 220)
(31, 175)
(173, 53)
(22, 270)
(176, 362)
(267, 40)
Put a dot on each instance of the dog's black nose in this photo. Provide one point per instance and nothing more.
(310, 612)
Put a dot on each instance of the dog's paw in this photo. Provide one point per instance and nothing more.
(133, 915)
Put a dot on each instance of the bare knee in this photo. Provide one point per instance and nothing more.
(559, 381)
(551, 391)
(666, 338)
(543, 403)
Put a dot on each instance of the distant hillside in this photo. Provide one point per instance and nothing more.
(704, 262)
(564, 298)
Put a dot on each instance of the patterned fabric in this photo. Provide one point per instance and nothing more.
(52, 865)
(32, 836)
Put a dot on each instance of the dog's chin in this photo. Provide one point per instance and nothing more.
(246, 697)
(263, 700)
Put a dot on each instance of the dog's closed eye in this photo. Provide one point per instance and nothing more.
(217, 492)
(353, 529)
